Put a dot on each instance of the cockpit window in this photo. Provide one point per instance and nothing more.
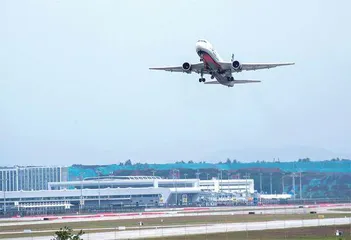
(204, 41)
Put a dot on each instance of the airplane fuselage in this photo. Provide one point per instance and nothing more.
(211, 59)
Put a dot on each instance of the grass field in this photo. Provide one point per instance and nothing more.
(50, 235)
(150, 222)
(170, 221)
(308, 233)
(341, 209)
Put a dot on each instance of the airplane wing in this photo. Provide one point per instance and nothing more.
(255, 66)
(197, 67)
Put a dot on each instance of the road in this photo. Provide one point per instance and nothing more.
(211, 228)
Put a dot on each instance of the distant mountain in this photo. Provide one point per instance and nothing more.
(268, 154)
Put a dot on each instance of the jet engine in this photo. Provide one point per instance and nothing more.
(236, 65)
(186, 66)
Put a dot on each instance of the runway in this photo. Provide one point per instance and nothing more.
(288, 210)
(207, 229)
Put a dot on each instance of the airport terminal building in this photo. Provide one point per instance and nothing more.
(31, 178)
(120, 192)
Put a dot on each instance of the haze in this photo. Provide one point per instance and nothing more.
(75, 85)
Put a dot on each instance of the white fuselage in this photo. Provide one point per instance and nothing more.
(212, 62)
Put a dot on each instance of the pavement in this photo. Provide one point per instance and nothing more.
(207, 229)
(320, 209)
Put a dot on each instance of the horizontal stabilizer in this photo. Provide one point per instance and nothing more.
(246, 81)
(212, 82)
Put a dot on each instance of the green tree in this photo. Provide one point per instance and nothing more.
(128, 163)
(66, 233)
(180, 162)
(304, 160)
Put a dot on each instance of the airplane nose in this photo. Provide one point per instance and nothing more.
(199, 47)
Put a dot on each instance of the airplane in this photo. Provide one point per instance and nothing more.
(211, 63)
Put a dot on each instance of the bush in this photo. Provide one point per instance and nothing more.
(66, 233)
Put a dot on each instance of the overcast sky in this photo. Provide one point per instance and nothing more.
(75, 85)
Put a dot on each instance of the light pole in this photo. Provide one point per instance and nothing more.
(99, 189)
(185, 174)
(207, 174)
(300, 186)
(228, 175)
(293, 178)
(81, 193)
(197, 174)
(283, 187)
(260, 182)
(221, 177)
(246, 177)
(175, 185)
(270, 179)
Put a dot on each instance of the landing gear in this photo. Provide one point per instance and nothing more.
(202, 79)
(230, 79)
(212, 77)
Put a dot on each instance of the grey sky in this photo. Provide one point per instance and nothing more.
(75, 85)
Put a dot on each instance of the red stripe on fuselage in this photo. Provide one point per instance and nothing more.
(209, 61)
